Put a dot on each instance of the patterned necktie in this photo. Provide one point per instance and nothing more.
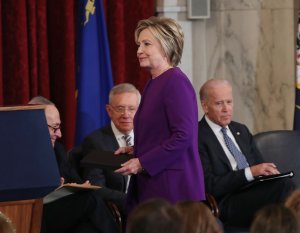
(127, 139)
(239, 156)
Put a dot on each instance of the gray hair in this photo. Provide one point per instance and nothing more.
(124, 88)
(203, 93)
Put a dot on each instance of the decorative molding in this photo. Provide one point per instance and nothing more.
(171, 9)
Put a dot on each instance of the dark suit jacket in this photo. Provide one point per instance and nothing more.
(87, 208)
(220, 179)
(103, 139)
(65, 169)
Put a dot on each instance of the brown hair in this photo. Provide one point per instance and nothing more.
(275, 218)
(197, 218)
(293, 201)
(155, 216)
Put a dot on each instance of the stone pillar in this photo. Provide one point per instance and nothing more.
(252, 44)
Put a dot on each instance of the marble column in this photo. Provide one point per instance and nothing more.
(252, 44)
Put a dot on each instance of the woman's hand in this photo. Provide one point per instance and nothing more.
(132, 166)
(124, 150)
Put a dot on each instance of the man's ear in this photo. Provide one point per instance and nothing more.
(108, 110)
(204, 106)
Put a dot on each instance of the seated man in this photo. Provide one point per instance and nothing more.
(230, 159)
(124, 100)
(79, 212)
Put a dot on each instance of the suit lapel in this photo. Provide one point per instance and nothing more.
(110, 138)
(214, 142)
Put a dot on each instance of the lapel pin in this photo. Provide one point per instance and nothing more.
(238, 133)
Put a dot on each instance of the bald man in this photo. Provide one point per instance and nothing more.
(227, 171)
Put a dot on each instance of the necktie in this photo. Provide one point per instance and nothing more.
(239, 157)
(127, 139)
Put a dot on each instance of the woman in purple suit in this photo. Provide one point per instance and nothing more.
(167, 163)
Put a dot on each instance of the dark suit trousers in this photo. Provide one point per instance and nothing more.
(82, 210)
(242, 206)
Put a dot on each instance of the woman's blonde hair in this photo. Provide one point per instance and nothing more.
(168, 32)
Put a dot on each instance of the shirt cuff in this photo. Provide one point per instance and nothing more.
(248, 174)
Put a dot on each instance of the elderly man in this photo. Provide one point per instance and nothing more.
(230, 159)
(124, 100)
(80, 212)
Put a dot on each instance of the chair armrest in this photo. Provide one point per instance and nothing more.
(116, 213)
(212, 204)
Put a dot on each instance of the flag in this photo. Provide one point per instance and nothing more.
(94, 74)
(297, 95)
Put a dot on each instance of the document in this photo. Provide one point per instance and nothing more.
(68, 189)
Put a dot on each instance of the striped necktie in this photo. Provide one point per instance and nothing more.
(238, 155)
(127, 139)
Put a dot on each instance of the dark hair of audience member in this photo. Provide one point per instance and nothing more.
(293, 202)
(155, 216)
(6, 225)
(275, 218)
(197, 218)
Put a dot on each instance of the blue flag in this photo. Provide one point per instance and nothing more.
(297, 94)
(94, 74)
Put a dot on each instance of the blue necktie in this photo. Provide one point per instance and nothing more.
(239, 157)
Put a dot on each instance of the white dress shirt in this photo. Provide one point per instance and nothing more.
(217, 131)
(122, 143)
(120, 136)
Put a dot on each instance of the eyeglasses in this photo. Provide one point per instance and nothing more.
(122, 109)
(54, 129)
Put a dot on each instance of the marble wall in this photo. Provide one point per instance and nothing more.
(252, 44)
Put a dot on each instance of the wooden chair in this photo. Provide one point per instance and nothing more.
(25, 215)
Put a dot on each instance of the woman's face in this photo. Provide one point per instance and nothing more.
(150, 53)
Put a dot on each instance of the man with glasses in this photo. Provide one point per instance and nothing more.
(124, 100)
(81, 211)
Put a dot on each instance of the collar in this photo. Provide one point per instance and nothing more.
(119, 135)
(215, 127)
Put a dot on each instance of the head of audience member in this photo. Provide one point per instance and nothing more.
(293, 202)
(197, 218)
(217, 101)
(155, 216)
(160, 42)
(6, 225)
(275, 218)
(52, 117)
(124, 100)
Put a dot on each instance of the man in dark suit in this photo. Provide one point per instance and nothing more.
(124, 100)
(230, 164)
(82, 211)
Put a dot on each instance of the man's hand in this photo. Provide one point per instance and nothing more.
(62, 181)
(264, 169)
(132, 166)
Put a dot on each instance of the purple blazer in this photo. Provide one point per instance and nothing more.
(166, 142)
